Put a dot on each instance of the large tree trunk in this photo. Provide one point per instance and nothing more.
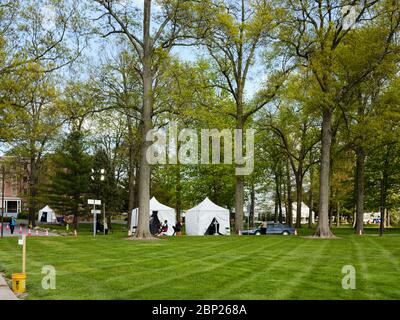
(384, 182)
(252, 204)
(239, 196)
(311, 199)
(143, 230)
(299, 195)
(323, 229)
(277, 198)
(279, 194)
(338, 215)
(387, 218)
(289, 212)
(360, 169)
(131, 173)
(239, 179)
(33, 181)
(382, 208)
(75, 222)
(280, 215)
(178, 191)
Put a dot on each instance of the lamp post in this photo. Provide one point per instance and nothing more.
(93, 177)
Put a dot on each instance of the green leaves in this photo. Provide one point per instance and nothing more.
(69, 184)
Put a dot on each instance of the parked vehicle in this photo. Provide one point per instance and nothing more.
(272, 228)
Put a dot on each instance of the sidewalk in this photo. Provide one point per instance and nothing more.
(25, 230)
(5, 291)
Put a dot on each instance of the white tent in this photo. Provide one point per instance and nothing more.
(164, 213)
(372, 217)
(305, 210)
(199, 218)
(47, 215)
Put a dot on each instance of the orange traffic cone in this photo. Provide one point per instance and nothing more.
(8, 227)
(29, 232)
(20, 230)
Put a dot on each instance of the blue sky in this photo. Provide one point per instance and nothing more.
(256, 76)
(96, 50)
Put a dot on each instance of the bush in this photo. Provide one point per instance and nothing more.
(23, 215)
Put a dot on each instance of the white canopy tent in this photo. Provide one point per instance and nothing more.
(199, 218)
(164, 213)
(305, 211)
(47, 215)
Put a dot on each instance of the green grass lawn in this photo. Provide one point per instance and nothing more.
(245, 267)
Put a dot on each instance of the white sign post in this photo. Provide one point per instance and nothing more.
(95, 212)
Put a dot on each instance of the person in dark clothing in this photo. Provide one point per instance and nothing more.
(155, 224)
(263, 227)
(164, 227)
(177, 228)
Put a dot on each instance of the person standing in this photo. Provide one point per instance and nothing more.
(155, 224)
(164, 228)
(13, 223)
(177, 228)
(264, 227)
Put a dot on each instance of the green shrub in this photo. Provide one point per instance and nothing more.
(23, 215)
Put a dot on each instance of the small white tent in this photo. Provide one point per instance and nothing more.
(47, 215)
(164, 213)
(305, 212)
(199, 218)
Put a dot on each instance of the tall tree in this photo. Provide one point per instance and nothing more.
(69, 186)
(235, 30)
(315, 31)
(151, 48)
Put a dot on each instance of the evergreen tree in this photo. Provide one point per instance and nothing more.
(70, 183)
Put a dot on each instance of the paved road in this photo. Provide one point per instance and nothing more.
(25, 230)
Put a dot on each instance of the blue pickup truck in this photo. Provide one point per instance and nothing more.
(272, 228)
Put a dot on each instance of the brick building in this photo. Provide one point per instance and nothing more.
(15, 185)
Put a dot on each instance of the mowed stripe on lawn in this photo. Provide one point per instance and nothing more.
(211, 269)
(248, 284)
(99, 272)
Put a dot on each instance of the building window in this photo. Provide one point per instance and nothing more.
(12, 206)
